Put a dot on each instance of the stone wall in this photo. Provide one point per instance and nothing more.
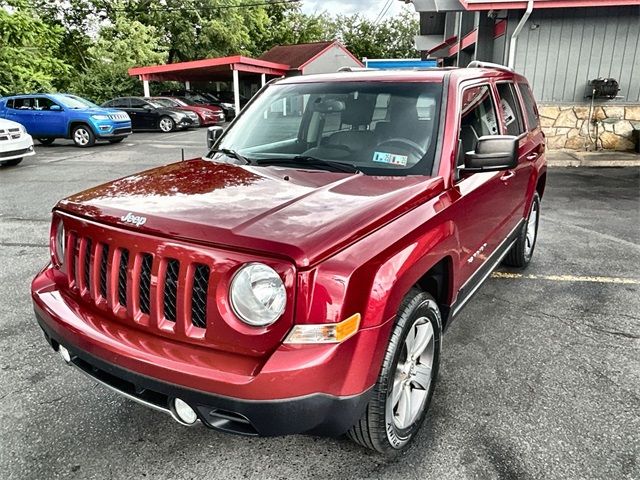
(565, 126)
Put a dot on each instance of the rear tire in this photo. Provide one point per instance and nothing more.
(116, 140)
(83, 136)
(403, 392)
(46, 141)
(10, 163)
(522, 251)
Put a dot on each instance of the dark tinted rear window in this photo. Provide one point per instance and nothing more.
(529, 105)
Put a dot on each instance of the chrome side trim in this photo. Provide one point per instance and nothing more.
(124, 394)
(501, 252)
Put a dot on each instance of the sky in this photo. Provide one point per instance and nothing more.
(368, 8)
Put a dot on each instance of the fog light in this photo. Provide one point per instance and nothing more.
(184, 413)
(64, 353)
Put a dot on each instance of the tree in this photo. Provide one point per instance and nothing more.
(391, 39)
(28, 47)
(120, 46)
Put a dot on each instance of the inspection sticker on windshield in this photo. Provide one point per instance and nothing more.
(382, 157)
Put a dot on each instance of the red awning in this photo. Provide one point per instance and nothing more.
(442, 49)
(514, 5)
(208, 69)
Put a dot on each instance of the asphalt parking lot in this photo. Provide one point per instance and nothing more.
(540, 376)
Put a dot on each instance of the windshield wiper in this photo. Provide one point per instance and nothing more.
(231, 153)
(310, 162)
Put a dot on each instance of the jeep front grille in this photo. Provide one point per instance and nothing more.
(139, 285)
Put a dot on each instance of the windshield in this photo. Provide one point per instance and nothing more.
(185, 101)
(378, 128)
(165, 102)
(74, 102)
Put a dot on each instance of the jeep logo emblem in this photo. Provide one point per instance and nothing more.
(134, 219)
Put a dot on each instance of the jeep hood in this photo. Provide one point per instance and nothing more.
(304, 215)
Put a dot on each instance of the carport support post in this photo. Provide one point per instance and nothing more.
(263, 79)
(236, 90)
(145, 88)
(187, 85)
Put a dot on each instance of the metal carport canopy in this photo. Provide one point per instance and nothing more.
(222, 68)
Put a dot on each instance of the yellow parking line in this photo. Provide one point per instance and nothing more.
(567, 278)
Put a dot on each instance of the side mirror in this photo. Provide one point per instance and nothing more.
(55, 108)
(213, 134)
(146, 106)
(493, 153)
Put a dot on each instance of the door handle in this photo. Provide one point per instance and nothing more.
(532, 156)
(508, 175)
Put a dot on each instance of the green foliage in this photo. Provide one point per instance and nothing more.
(120, 46)
(87, 46)
(27, 51)
(390, 39)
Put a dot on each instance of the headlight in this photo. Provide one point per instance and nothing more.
(100, 117)
(258, 295)
(58, 243)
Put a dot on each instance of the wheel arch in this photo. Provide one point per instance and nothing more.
(438, 282)
(75, 123)
(541, 184)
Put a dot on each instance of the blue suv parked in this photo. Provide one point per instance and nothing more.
(50, 116)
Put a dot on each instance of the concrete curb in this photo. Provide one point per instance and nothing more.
(571, 158)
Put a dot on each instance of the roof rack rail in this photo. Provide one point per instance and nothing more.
(356, 69)
(478, 64)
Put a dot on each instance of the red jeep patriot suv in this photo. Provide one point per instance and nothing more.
(298, 278)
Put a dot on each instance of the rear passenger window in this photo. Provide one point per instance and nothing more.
(478, 118)
(24, 103)
(511, 113)
(529, 105)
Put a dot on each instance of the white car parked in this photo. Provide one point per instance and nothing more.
(15, 143)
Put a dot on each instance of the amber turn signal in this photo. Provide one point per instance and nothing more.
(325, 333)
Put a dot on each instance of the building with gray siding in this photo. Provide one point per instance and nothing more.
(560, 47)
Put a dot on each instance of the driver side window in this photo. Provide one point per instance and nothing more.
(477, 119)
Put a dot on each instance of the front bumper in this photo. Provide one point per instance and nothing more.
(319, 389)
(12, 149)
(317, 414)
(111, 129)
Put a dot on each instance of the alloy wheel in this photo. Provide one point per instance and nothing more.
(413, 376)
(81, 136)
(532, 230)
(166, 125)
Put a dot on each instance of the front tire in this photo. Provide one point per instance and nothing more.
(522, 251)
(83, 136)
(10, 163)
(403, 392)
(46, 141)
(167, 124)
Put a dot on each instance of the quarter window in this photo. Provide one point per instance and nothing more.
(510, 108)
(478, 118)
(529, 105)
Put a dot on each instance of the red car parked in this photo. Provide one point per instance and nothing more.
(300, 277)
(209, 115)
